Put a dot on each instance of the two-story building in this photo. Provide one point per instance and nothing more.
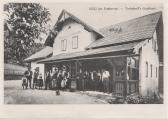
(128, 50)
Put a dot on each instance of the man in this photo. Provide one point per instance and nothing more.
(105, 78)
(29, 76)
(85, 80)
(36, 74)
(54, 77)
(47, 81)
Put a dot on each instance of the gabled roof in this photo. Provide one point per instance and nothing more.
(44, 53)
(64, 16)
(84, 54)
(129, 31)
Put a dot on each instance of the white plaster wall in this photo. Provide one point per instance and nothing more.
(84, 38)
(41, 67)
(148, 85)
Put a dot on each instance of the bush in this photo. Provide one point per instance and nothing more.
(138, 99)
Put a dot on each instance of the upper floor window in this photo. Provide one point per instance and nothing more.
(63, 44)
(146, 69)
(75, 42)
(154, 45)
(154, 41)
(151, 70)
(156, 72)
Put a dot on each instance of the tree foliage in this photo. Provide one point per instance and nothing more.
(24, 24)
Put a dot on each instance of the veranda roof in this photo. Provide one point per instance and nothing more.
(45, 52)
(81, 54)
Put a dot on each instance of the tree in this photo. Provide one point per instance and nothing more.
(24, 24)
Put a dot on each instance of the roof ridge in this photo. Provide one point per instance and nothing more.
(80, 21)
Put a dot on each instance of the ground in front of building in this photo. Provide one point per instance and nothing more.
(14, 94)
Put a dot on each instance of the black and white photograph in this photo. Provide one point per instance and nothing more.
(83, 53)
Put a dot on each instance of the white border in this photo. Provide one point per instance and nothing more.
(84, 111)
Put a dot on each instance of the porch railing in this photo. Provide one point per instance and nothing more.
(126, 87)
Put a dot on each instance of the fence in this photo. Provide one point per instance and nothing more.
(13, 72)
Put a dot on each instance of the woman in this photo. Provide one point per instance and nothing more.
(64, 78)
(47, 81)
(40, 81)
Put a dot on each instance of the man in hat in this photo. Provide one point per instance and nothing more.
(28, 74)
(36, 74)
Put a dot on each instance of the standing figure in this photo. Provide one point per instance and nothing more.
(105, 78)
(64, 78)
(86, 78)
(40, 81)
(54, 77)
(47, 81)
(78, 79)
(35, 78)
(68, 83)
(24, 82)
(29, 76)
(95, 80)
(92, 80)
(99, 80)
(58, 82)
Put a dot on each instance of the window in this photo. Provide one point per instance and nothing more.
(155, 41)
(146, 69)
(63, 44)
(75, 42)
(156, 72)
(155, 45)
(151, 70)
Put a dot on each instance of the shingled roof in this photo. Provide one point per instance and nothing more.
(128, 31)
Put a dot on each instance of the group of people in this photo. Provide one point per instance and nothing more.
(58, 79)
(32, 77)
(94, 80)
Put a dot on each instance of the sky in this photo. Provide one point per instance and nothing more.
(101, 15)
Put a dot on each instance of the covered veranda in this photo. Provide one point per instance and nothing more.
(120, 61)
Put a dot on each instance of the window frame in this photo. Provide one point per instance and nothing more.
(63, 44)
(156, 72)
(75, 41)
(155, 44)
(151, 66)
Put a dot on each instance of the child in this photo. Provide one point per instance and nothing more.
(24, 82)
